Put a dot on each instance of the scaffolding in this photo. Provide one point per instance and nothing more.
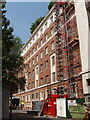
(66, 42)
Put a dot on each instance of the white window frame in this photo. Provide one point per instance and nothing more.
(36, 70)
(41, 83)
(52, 31)
(41, 54)
(36, 83)
(46, 81)
(53, 77)
(33, 61)
(51, 19)
(41, 42)
(41, 67)
(29, 97)
(52, 45)
(46, 50)
(46, 37)
(38, 95)
(32, 73)
(36, 58)
(46, 25)
(41, 31)
(46, 64)
(34, 96)
(41, 95)
(36, 46)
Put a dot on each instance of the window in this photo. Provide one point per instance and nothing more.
(32, 84)
(36, 46)
(37, 95)
(27, 66)
(51, 19)
(47, 78)
(46, 93)
(32, 73)
(46, 37)
(88, 82)
(41, 54)
(37, 36)
(41, 31)
(53, 76)
(27, 47)
(22, 98)
(33, 51)
(46, 25)
(52, 31)
(60, 56)
(30, 44)
(28, 97)
(41, 81)
(54, 91)
(67, 16)
(46, 49)
(46, 64)
(41, 95)
(36, 70)
(27, 56)
(41, 67)
(32, 95)
(53, 60)
(61, 76)
(36, 83)
(30, 53)
(69, 31)
(30, 64)
(33, 61)
(33, 40)
(41, 42)
(52, 45)
(71, 69)
(36, 58)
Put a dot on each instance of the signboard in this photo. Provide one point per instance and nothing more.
(61, 107)
(71, 102)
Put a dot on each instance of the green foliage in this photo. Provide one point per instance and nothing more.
(35, 24)
(11, 60)
(50, 5)
(17, 45)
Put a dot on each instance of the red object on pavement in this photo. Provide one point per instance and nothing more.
(50, 105)
(65, 96)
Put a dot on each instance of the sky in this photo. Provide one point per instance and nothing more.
(23, 14)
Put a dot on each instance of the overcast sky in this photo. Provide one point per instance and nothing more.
(23, 14)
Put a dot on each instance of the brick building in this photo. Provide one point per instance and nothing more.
(53, 56)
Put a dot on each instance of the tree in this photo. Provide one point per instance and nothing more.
(50, 5)
(17, 45)
(11, 59)
(35, 24)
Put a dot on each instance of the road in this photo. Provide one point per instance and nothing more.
(22, 115)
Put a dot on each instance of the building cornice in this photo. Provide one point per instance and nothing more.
(38, 27)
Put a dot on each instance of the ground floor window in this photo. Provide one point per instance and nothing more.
(42, 95)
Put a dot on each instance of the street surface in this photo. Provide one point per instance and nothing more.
(22, 115)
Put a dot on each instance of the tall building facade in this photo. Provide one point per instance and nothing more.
(54, 56)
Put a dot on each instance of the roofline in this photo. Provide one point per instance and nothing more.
(38, 27)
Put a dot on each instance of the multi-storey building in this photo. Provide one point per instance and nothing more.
(55, 55)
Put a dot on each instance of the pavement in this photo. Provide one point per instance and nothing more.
(22, 115)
